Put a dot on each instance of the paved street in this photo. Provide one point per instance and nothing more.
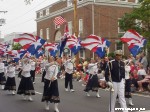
(70, 102)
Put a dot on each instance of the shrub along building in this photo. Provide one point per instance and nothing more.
(98, 17)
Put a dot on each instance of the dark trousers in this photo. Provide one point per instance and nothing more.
(32, 72)
(68, 80)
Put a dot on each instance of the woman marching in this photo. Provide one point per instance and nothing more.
(11, 83)
(2, 75)
(92, 83)
(51, 92)
(26, 84)
(128, 82)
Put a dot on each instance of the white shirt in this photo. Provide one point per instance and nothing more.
(32, 65)
(2, 67)
(51, 71)
(93, 69)
(69, 66)
(26, 70)
(11, 71)
(127, 70)
(141, 72)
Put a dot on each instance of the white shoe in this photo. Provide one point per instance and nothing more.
(46, 106)
(24, 98)
(2, 86)
(72, 90)
(130, 102)
(56, 107)
(13, 93)
(98, 96)
(87, 94)
(30, 98)
(66, 89)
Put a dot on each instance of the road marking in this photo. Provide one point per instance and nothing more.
(141, 95)
(38, 92)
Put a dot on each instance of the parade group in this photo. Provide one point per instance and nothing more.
(122, 76)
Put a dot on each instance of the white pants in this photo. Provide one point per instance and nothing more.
(119, 89)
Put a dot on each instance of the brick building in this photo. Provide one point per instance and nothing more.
(99, 17)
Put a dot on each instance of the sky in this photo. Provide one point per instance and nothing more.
(20, 17)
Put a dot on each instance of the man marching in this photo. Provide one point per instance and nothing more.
(115, 76)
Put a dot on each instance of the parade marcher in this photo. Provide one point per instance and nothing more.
(115, 77)
(32, 72)
(51, 92)
(26, 84)
(128, 82)
(42, 65)
(11, 83)
(69, 74)
(2, 75)
(93, 83)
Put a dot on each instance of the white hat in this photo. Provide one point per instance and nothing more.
(119, 52)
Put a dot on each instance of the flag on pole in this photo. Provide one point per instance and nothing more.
(59, 20)
(134, 40)
(96, 44)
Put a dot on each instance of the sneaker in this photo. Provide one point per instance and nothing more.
(24, 98)
(98, 96)
(66, 89)
(72, 90)
(46, 107)
(13, 93)
(33, 82)
(87, 94)
(30, 99)
(56, 110)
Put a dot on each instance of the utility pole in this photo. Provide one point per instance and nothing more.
(75, 27)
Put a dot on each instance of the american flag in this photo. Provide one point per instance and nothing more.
(59, 20)
(134, 40)
(96, 44)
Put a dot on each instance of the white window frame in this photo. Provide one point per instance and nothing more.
(120, 49)
(41, 33)
(70, 27)
(41, 13)
(47, 11)
(136, 1)
(83, 53)
(119, 30)
(69, 3)
(80, 25)
(47, 33)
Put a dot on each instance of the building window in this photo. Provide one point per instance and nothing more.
(69, 2)
(47, 11)
(80, 25)
(41, 33)
(47, 33)
(70, 27)
(119, 46)
(82, 53)
(41, 14)
(119, 29)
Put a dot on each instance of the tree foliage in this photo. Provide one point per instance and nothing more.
(16, 46)
(138, 19)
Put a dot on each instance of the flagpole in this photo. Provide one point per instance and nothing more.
(75, 27)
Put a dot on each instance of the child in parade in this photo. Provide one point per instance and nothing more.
(11, 83)
(26, 85)
(51, 92)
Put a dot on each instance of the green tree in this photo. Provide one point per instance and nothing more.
(16, 46)
(138, 19)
